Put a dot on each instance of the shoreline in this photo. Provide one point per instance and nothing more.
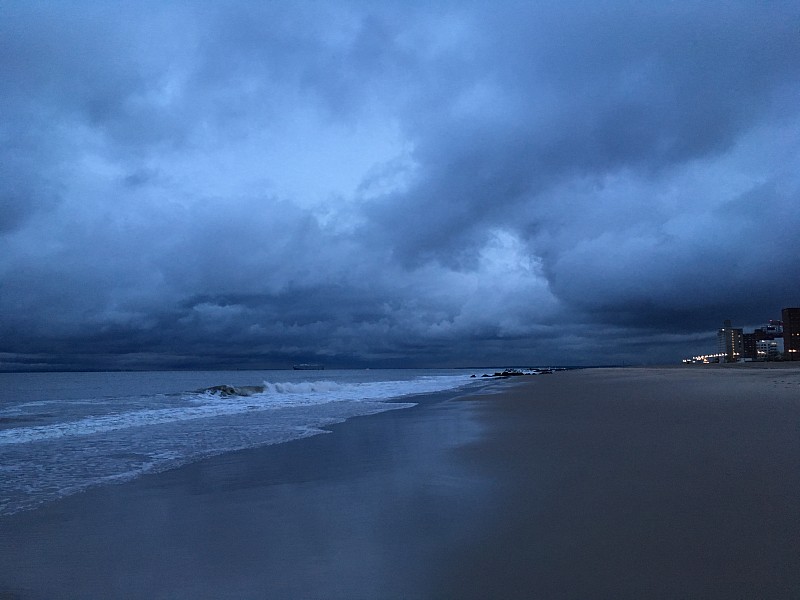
(297, 519)
(617, 482)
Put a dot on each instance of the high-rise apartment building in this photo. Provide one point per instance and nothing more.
(791, 333)
(749, 345)
(729, 342)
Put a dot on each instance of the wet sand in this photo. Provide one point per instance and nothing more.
(601, 483)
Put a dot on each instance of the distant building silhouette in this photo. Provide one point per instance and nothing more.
(791, 333)
(749, 345)
(772, 330)
(765, 343)
(729, 342)
(773, 341)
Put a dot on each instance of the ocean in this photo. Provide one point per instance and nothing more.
(61, 433)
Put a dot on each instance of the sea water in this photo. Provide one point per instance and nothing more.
(61, 433)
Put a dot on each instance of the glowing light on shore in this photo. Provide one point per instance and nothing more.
(706, 358)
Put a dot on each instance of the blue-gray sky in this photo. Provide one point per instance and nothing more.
(217, 184)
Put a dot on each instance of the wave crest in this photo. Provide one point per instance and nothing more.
(269, 388)
(302, 387)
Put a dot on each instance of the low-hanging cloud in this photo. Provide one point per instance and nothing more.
(393, 184)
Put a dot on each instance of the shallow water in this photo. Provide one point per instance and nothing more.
(61, 433)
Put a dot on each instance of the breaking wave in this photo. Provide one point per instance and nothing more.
(104, 439)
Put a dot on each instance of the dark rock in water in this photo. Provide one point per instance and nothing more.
(506, 373)
(471, 376)
(222, 390)
(230, 390)
(512, 373)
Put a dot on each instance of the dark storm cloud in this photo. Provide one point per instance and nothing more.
(240, 184)
(581, 93)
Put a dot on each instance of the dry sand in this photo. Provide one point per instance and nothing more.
(641, 483)
(600, 483)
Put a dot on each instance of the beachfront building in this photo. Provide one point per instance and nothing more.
(769, 349)
(764, 343)
(729, 342)
(791, 333)
(750, 346)
(772, 330)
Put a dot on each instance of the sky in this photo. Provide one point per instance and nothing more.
(393, 184)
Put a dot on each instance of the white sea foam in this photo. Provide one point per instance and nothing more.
(208, 404)
(304, 387)
(108, 439)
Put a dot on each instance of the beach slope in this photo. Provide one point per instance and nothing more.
(596, 483)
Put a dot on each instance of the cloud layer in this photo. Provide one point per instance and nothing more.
(363, 184)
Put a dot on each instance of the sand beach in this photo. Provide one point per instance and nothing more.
(597, 483)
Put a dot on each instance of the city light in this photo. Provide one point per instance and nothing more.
(773, 341)
(705, 358)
